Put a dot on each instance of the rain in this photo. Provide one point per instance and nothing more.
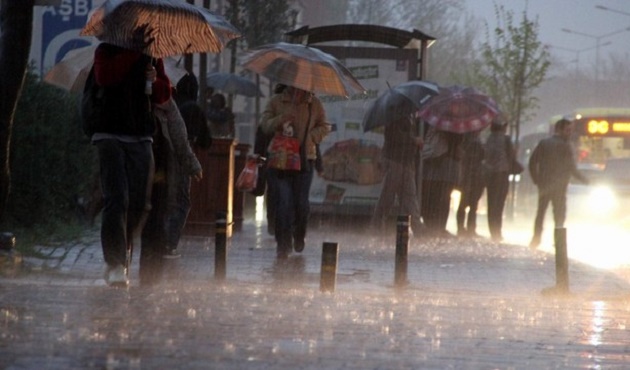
(464, 302)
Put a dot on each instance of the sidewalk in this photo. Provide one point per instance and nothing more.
(469, 304)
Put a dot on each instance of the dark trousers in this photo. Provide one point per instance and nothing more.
(292, 208)
(558, 199)
(469, 199)
(126, 175)
(436, 204)
(497, 184)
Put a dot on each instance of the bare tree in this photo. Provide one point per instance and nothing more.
(438, 18)
(16, 19)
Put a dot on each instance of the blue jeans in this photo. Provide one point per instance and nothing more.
(292, 208)
(126, 170)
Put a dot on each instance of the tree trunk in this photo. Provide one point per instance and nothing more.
(16, 28)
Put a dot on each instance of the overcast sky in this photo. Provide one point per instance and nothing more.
(576, 15)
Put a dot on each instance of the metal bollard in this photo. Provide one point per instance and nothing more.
(220, 249)
(328, 277)
(7, 241)
(562, 260)
(403, 223)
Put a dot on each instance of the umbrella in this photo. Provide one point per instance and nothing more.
(233, 84)
(167, 27)
(302, 66)
(72, 71)
(397, 102)
(460, 109)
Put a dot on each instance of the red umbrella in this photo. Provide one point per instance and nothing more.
(460, 109)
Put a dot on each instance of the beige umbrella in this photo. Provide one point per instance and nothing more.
(160, 28)
(304, 67)
(72, 71)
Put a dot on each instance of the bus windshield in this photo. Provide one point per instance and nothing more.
(601, 134)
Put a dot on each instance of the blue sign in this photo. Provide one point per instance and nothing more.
(61, 26)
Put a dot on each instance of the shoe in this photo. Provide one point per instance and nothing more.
(298, 246)
(535, 242)
(117, 276)
(172, 253)
(282, 255)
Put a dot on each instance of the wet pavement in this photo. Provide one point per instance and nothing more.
(468, 304)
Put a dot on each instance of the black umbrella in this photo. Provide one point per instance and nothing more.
(397, 102)
(233, 84)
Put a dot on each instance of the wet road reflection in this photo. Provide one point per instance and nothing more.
(285, 326)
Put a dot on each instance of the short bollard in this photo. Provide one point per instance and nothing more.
(562, 260)
(328, 278)
(220, 249)
(7, 241)
(403, 224)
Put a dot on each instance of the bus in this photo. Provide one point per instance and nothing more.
(601, 134)
(601, 137)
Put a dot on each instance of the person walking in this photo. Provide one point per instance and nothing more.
(264, 186)
(123, 143)
(551, 166)
(184, 127)
(472, 184)
(304, 113)
(400, 152)
(499, 152)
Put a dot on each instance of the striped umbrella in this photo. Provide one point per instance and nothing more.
(72, 71)
(304, 67)
(160, 28)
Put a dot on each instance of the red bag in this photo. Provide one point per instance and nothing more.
(248, 177)
(284, 153)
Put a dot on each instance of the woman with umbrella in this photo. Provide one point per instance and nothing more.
(305, 114)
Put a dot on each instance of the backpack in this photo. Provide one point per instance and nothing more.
(122, 109)
(92, 105)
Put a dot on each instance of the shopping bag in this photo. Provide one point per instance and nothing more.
(248, 177)
(284, 153)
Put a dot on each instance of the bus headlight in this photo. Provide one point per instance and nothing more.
(602, 200)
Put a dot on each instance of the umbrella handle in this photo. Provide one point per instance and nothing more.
(150, 73)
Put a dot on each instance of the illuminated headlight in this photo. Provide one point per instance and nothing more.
(602, 200)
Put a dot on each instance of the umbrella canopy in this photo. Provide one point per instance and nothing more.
(397, 102)
(460, 109)
(167, 27)
(304, 67)
(233, 84)
(72, 71)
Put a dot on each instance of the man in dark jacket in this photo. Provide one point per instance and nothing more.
(551, 166)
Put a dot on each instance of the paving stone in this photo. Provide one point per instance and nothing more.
(467, 304)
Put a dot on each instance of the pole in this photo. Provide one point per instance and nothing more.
(403, 224)
(328, 276)
(220, 249)
(562, 260)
